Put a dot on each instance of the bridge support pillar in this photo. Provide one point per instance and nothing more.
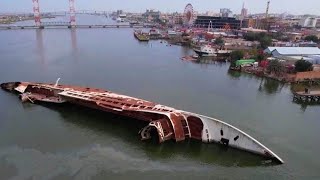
(36, 12)
(72, 13)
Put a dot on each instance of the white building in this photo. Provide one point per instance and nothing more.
(292, 51)
(309, 22)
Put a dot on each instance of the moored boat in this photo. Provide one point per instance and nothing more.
(141, 36)
(163, 123)
(209, 51)
(205, 51)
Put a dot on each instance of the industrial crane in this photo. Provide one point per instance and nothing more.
(267, 16)
(267, 10)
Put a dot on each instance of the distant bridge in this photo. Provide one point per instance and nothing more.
(55, 23)
(59, 25)
(59, 13)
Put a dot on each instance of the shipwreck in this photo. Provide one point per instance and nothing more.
(164, 123)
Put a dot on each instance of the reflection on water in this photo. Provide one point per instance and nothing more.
(206, 62)
(270, 86)
(127, 129)
(305, 105)
(40, 47)
(266, 85)
(74, 44)
(234, 74)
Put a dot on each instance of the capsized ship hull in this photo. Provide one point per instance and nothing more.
(167, 123)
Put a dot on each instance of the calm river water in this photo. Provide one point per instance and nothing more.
(52, 142)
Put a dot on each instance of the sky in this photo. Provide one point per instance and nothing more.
(254, 6)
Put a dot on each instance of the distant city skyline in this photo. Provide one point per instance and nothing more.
(254, 6)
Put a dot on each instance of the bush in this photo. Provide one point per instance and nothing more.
(312, 38)
(234, 56)
(276, 67)
(303, 66)
(219, 41)
(263, 38)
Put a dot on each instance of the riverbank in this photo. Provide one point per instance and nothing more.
(14, 19)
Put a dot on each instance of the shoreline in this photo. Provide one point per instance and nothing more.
(7, 22)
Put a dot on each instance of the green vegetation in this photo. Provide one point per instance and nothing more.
(219, 41)
(303, 66)
(312, 38)
(234, 56)
(264, 39)
(280, 36)
(276, 67)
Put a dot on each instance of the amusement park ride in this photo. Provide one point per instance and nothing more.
(189, 15)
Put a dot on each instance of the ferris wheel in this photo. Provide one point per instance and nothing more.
(188, 14)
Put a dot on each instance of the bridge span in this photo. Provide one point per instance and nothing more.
(60, 25)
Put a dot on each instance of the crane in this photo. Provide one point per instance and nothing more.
(267, 10)
(267, 14)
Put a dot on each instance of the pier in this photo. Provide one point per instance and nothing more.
(307, 96)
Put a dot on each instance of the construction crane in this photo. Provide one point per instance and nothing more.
(267, 16)
(267, 10)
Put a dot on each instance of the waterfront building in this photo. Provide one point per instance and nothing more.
(152, 14)
(217, 22)
(308, 22)
(292, 51)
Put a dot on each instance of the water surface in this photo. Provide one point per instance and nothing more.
(52, 142)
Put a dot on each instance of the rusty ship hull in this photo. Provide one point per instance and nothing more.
(165, 122)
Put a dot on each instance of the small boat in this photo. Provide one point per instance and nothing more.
(119, 19)
(196, 56)
(172, 33)
(209, 51)
(163, 123)
(133, 22)
(154, 34)
(141, 36)
(206, 51)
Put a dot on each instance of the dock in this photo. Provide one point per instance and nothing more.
(307, 96)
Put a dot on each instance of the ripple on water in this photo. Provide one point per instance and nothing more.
(83, 164)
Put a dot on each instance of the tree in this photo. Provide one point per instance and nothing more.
(276, 67)
(265, 41)
(219, 41)
(303, 66)
(312, 38)
(250, 36)
(260, 56)
(263, 38)
(234, 56)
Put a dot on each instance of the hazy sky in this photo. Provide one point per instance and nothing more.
(254, 6)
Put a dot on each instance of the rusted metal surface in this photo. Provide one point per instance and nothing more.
(167, 122)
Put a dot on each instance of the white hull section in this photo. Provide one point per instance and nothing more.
(220, 132)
